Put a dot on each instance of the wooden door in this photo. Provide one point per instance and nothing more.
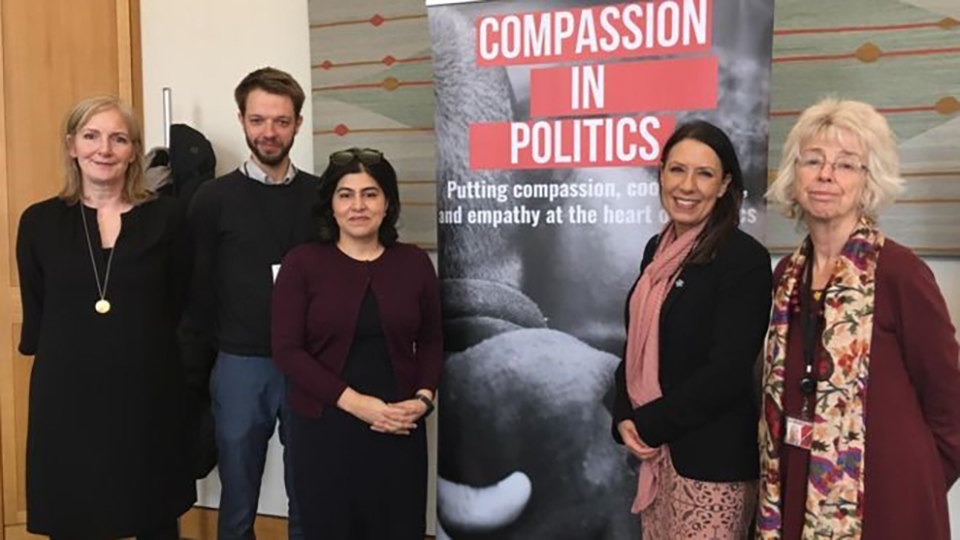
(51, 54)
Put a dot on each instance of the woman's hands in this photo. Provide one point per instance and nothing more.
(394, 418)
(631, 439)
(402, 413)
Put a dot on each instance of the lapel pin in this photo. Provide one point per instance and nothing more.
(679, 283)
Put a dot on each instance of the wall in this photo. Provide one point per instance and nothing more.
(203, 49)
(899, 59)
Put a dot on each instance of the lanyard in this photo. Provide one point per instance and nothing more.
(810, 319)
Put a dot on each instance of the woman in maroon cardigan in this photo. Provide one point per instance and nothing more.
(357, 330)
(860, 434)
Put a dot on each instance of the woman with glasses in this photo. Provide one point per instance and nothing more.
(860, 433)
(356, 328)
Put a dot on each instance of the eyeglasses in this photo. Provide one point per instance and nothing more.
(367, 156)
(842, 166)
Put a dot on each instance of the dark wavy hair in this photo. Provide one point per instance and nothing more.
(385, 176)
(725, 217)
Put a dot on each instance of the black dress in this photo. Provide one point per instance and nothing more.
(106, 452)
(352, 482)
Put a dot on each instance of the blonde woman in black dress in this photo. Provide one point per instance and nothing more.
(103, 275)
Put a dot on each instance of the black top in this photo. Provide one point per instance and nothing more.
(242, 228)
(106, 456)
(368, 368)
(712, 326)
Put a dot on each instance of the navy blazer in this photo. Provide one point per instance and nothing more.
(712, 328)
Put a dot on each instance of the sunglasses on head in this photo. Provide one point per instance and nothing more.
(367, 156)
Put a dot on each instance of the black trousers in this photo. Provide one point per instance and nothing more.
(168, 531)
(355, 484)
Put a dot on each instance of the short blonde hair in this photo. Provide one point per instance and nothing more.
(135, 190)
(829, 118)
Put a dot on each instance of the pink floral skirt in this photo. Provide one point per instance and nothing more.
(691, 509)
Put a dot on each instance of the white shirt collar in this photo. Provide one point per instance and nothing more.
(252, 170)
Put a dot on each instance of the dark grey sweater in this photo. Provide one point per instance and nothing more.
(242, 227)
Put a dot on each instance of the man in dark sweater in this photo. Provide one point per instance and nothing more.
(244, 223)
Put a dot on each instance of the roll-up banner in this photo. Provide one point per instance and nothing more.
(550, 120)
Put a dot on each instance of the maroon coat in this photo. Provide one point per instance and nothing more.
(913, 407)
(316, 301)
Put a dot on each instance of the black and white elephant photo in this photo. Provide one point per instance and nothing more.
(533, 317)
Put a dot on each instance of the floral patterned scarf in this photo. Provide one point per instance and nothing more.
(836, 472)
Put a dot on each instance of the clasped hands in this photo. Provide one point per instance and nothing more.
(398, 418)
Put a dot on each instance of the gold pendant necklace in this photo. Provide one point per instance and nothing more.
(102, 306)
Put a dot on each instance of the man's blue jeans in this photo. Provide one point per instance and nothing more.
(248, 397)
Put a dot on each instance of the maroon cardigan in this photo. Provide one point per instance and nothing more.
(316, 302)
(913, 407)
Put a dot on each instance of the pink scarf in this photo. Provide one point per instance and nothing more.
(643, 341)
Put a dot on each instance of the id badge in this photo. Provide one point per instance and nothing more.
(276, 270)
(799, 433)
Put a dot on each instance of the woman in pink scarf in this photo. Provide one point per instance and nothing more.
(696, 321)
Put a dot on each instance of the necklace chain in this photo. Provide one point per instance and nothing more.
(102, 290)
